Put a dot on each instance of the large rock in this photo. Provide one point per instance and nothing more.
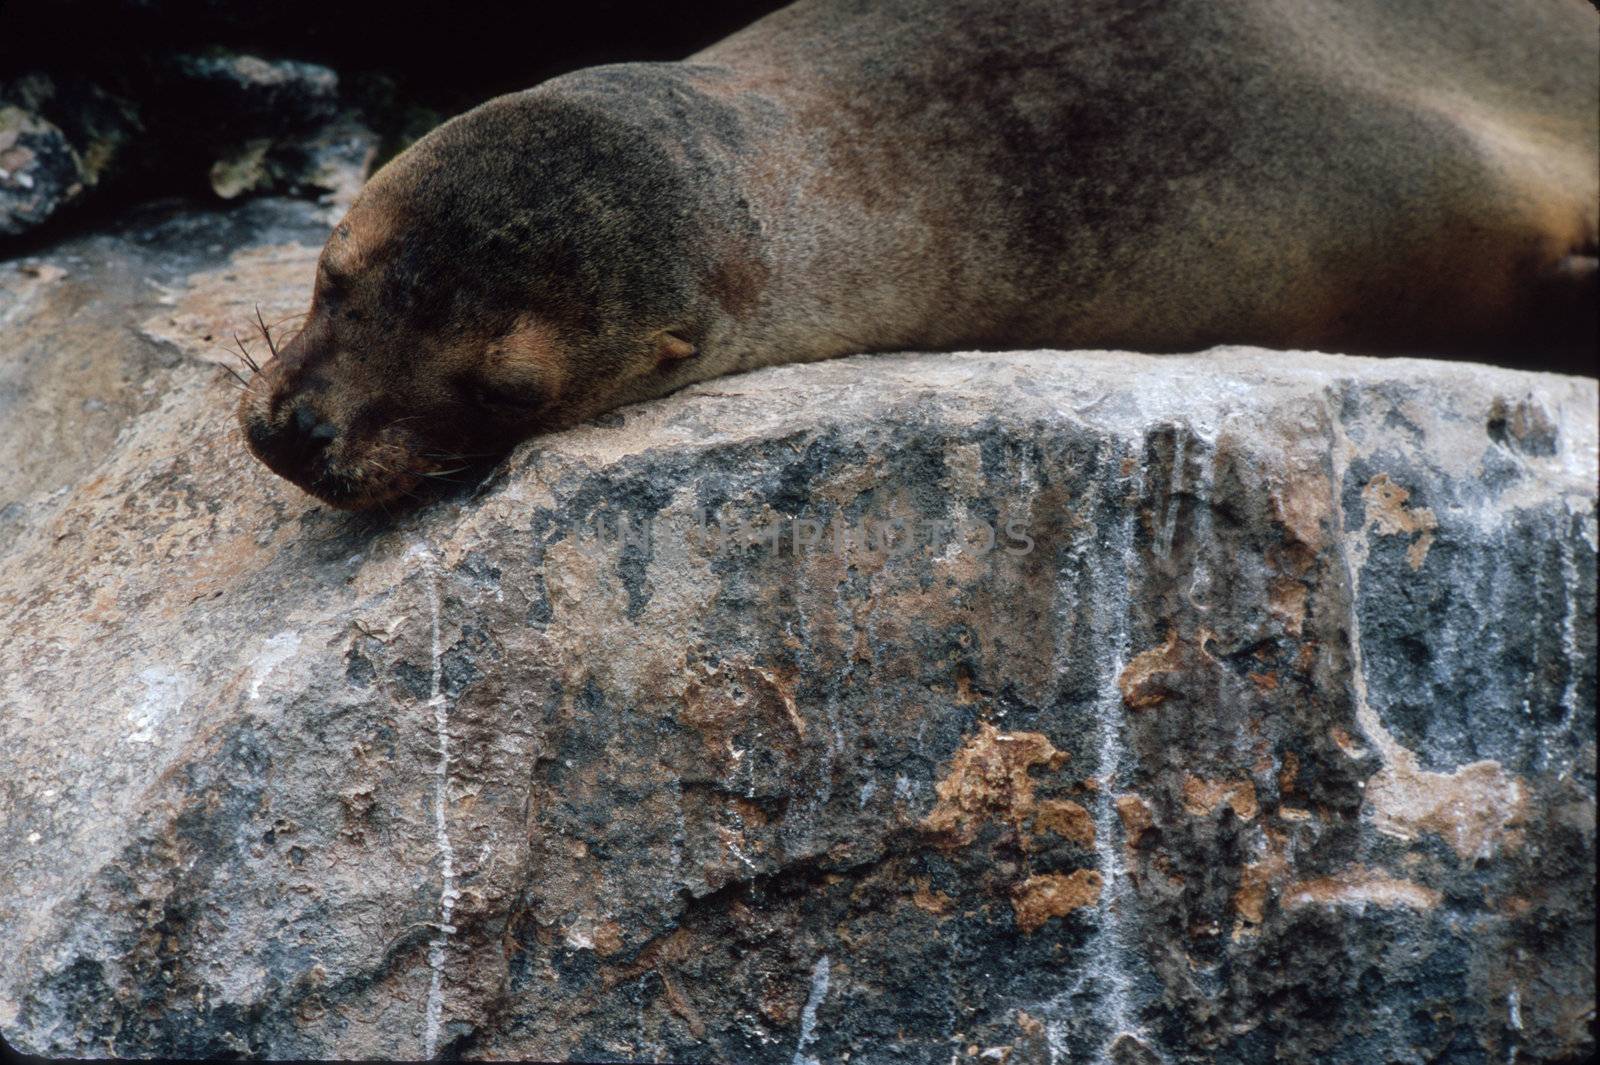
(1265, 730)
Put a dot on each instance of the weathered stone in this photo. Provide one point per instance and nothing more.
(246, 124)
(250, 89)
(39, 171)
(1263, 730)
(60, 139)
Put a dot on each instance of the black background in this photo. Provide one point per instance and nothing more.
(444, 55)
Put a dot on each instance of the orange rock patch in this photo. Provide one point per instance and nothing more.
(929, 901)
(1066, 819)
(1140, 681)
(1039, 898)
(988, 780)
(1151, 678)
(607, 939)
(1286, 601)
(1388, 513)
(719, 701)
(1136, 818)
(1201, 796)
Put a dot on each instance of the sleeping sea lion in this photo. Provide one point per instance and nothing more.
(845, 176)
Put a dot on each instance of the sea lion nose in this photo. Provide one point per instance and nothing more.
(302, 437)
(314, 433)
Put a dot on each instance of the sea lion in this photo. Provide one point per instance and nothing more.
(841, 176)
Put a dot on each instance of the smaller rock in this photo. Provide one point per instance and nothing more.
(251, 90)
(242, 170)
(1131, 1050)
(277, 126)
(39, 170)
(58, 139)
(332, 163)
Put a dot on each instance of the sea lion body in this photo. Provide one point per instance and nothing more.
(840, 177)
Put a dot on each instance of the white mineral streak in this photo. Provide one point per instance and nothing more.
(1169, 520)
(808, 1016)
(1569, 630)
(1104, 968)
(275, 652)
(441, 773)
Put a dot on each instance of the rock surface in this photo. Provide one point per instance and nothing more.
(39, 170)
(1263, 732)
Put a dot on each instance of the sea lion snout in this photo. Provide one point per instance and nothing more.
(297, 419)
(298, 442)
(355, 464)
(358, 409)
(282, 424)
(293, 443)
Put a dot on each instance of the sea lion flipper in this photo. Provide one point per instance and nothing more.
(673, 347)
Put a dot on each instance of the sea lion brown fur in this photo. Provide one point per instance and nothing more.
(1349, 175)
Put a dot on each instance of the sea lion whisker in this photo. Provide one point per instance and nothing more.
(458, 456)
(244, 353)
(265, 332)
(279, 321)
(237, 376)
(409, 494)
(232, 353)
(397, 421)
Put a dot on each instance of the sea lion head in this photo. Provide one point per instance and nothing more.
(522, 267)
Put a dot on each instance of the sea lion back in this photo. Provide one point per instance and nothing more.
(1359, 174)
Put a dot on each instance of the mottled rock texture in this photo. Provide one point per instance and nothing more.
(60, 138)
(1264, 732)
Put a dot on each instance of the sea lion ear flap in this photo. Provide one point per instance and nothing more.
(671, 347)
